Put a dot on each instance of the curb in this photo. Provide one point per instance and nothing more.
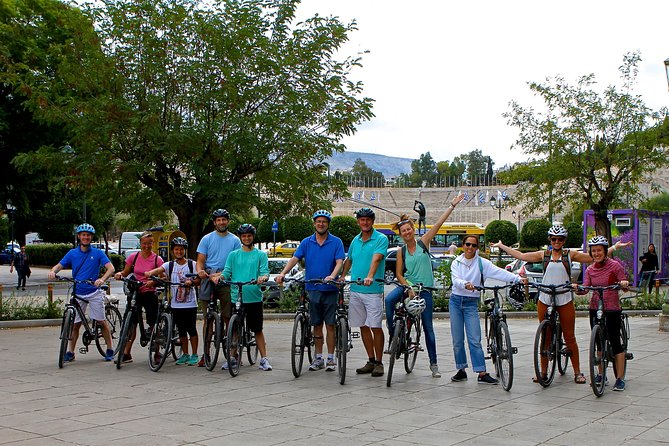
(31, 323)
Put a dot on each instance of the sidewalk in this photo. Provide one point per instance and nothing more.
(89, 402)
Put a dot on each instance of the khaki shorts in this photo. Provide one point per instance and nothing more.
(222, 293)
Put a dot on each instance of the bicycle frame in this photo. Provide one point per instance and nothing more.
(243, 338)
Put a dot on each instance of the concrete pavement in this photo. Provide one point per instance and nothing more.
(89, 402)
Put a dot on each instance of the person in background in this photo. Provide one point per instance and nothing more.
(649, 263)
(21, 261)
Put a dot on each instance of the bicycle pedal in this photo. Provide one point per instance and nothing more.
(514, 350)
(355, 334)
(83, 350)
(629, 356)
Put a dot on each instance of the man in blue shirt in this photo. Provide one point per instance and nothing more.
(323, 255)
(367, 262)
(86, 262)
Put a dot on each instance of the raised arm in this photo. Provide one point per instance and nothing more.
(429, 235)
(535, 256)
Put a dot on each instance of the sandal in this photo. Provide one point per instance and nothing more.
(536, 380)
(579, 378)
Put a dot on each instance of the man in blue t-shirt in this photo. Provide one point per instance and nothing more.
(86, 263)
(367, 262)
(323, 255)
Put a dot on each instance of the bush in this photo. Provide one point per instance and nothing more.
(650, 301)
(31, 307)
(534, 234)
(502, 230)
(288, 301)
(344, 227)
(298, 228)
(575, 235)
(47, 254)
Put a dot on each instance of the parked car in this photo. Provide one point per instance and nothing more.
(276, 265)
(391, 263)
(6, 255)
(101, 246)
(534, 271)
(285, 249)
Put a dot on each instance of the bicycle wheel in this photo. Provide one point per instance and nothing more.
(504, 356)
(342, 347)
(124, 338)
(252, 351)
(175, 346)
(298, 344)
(159, 344)
(598, 360)
(394, 348)
(234, 344)
(490, 339)
(544, 353)
(212, 339)
(65, 334)
(412, 346)
(624, 338)
(114, 320)
(563, 354)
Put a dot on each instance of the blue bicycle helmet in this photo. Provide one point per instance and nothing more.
(322, 213)
(85, 227)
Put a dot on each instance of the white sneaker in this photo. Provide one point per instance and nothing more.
(265, 365)
(226, 366)
(434, 368)
(317, 364)
(331, 365)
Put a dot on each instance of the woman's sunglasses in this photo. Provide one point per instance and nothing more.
(473, 245)
(557, 239)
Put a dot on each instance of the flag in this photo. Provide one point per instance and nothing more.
(481, 197)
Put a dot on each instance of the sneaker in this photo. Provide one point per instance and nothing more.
(378, 369)
(598, 380)
(619, 386)
(127, 358)
(194, 360)
(183, 359)
(201, 362)
(367, 368)
(331, 366)
(318, 364)
(69, 357)
(265, 365)
(226, 366)
(434, 368)
(487, 379)
(460, 376)
(109, 355)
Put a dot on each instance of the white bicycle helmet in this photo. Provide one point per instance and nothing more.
(557, 230)
(598, 240)
(415, 306)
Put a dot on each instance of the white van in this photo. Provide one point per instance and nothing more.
(129, 243)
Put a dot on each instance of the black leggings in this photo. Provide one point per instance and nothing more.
(613, 323)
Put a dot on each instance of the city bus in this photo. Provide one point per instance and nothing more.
(448, 233)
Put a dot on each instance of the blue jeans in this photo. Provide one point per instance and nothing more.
(464, 312)
(426, 317)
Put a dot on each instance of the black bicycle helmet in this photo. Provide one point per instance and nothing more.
(179, 241)
(246, 228)
(220, 213)
(517, 295)
(365, 212)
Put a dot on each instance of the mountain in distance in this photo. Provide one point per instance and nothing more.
(389, 166)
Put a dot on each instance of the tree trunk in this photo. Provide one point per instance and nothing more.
(602, 224)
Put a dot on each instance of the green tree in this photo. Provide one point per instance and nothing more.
(574, 235)
(452, 173)
(586, 146)
(362, 175)
(184, 106)
(534, 233)
(344, 227)
(423, 171)
(477, 165)
(659, 203)
(298, 227)
(502, 230)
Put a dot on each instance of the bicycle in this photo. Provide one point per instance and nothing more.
(164, 338)
(93, 331)
(498, 338)
(302, 338)
(213, 338)
(549, 346)
(407, 331)
(132, 314)
(239, 336)
(601, 352)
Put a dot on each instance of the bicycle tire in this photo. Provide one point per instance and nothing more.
(175, 346)
(598, 359)
(563, 354)
(398, 332)
(624, 338)
(412, 345)
(545, 347)
(490, 338)
(234, 343)
(504, 356)
(159, 343)
(342, 347)
(252, 350)
(212, 340)
(297, 345)
(124, 338)
(65, 335)
(114, 320)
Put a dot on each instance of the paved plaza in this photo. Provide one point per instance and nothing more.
(89, 402)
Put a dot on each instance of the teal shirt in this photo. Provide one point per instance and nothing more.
(242, 266)
(419, 267)
(361, 254)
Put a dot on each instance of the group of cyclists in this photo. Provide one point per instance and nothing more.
(224, 257)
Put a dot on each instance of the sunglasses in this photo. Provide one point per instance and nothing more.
(557, 239)
(473, 245)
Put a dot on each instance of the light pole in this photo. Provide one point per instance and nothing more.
(514, 215)
(499, 204)
(666, 68)
(11, 211)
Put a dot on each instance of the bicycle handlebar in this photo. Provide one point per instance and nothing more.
(552, 289)
(415, 286)
(75, 281)
(615, 286)
(496, 287)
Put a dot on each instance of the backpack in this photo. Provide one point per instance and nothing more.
(404, 255)
(565, 260)
(191, 268)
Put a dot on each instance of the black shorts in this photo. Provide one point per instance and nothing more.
(184, 319)
(254, 316)
(148, 302)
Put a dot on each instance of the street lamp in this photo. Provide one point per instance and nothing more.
(11, 211)
(666, 68)
(499, 204)
(514, 215)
